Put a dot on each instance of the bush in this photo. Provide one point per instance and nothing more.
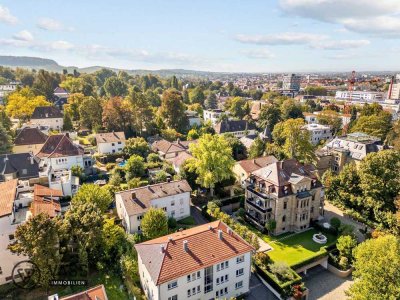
(335, 223)
(172, 223)
(153, 158)
(282, 271)
(110, 166)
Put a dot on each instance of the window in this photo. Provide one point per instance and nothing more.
(284, 219)
(138, 228)
(164, 209)
(139, 217)
(172, 285)
(189, 293)
(240, 259)
(174, 297)
(208, 280)
(198, 289)
(239, 285)
(172, 203)
(113, 144)
(119, 143)
(239, 272)
(198, 274)
(284, 205)
(188, 278)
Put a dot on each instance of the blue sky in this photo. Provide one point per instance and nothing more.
(218, 35)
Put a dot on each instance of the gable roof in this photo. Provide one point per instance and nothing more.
(138, 200)
(251, 165)
(44, 191)
(46, 112)
(60, 90)
(23, 164)
(29, 136)
(165, 146)
(110, 137)
(94, 293)
(205, 249)
(8, 191)
(233, 126)
(59, 145)
(178, 160)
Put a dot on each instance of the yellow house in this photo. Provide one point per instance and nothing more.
(29, 140)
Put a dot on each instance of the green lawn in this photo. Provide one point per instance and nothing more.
(187, 221)
(297, 248)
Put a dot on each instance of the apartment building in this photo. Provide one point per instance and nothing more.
(173, 197)
(47, 116)
(212, 115)
(287, 192)
(353, 147)
(209, 261)
(291, 82)
(242, 169)
(359, 96)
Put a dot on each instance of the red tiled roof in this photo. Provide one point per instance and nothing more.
(40, 190)
(251, 165)
(165, 146)
(110, 137)
(178, 160)
(8, 191)
(94, 293)
(59, 145)
(204, 249)
(143, 195)
(29, 136)
(43, 202)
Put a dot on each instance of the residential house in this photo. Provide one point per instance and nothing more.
(318, 132)
(45, 200)
(47, 116)
(60, 98)
(95, 293)
(173, 197)
(209, 261)
(169, 150)
(179, 160)
(213, 115)
(64, 181)
(193, 117)
(29, 140)
(110, 142)
(287, 192)
(8, 224)
(242, 169)
(239, 128)
(60, 153)
(256, 109)
(23, 166)
(353, 147)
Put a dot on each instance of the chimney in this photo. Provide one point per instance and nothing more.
(169, 179)
(220, 234)
(170, 239)
(133, 195)
(185, 246)
(229, 231)
(210, 227)
(162, 249)
(32, 160)
(67, 134)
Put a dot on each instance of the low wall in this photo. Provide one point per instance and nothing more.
(339, 273)
(323, 262)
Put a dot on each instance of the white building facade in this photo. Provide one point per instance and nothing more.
(318, 132)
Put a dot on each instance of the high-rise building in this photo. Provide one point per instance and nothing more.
(291, 82)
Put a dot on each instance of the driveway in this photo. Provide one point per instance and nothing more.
(332, 211)
(324, 285)
(258, 290)
(195, 212)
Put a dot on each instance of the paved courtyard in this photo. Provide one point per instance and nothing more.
(258, 291)
(324, 285)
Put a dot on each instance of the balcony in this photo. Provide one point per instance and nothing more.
(303, 194)
(256, 220)
(258, 192)
(254, 204)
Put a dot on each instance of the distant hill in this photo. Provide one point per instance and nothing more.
(51, 65)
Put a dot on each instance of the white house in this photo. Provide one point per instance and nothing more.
(47, 116)
(209, 261)
(318, 132)
(60, 153)
(110, 142)
(212, 115)
(173, 197)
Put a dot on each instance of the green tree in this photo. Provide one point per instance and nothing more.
(185, 96)
(5, 141)
(237, 107)
(38, 238)
(316, 90)
(197, 95)
(154, 223)
(291, 110)
(67, 122)
(171, 134)
(134, 167)
(331, 118)
(173, 110)
(113, 241)
(269, 116)
(136, 146)
(114, 87)
(73, 103)
(345, 245)
(174, 82)
(193, 134)
(4, 119)
(297, 140)
(377, 269)
(45, 83)
(212, 161)
(257, 148)
(211, 101)
(92, 193)
(153, 98)
(238, 148)
(142, 114)
(90, 111)
(375, 125)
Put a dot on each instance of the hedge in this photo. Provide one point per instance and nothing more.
(310, 260)
(281, 288)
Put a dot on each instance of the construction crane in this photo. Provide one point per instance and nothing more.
(350, 85)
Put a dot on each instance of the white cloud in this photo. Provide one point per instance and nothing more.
(61, 45)
(258, 53)
(378, 18)
(340, 44)
(23, 35)
(285, 38)
(52, 25)
(341, 56)
(6, 16)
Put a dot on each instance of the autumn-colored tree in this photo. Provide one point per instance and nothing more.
(173, 110)
(117, 114)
